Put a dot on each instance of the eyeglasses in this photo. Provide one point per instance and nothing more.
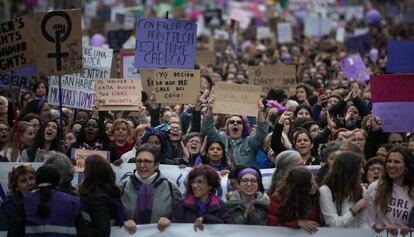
(145, 162)
(375, 168)
(246, 181)
(198, 181)
(238, 122)
(176, 129)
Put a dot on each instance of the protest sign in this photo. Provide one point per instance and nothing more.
(306, 6)
(400, 56)
(340, 34)
(360, 43)
(236, 99)
(212, 18)
(221, 34)
(96, 62)
(317, 26)
(393, 101)
(16, 46)
(284, 32)
(172, 85)
(264, 32)
(118, 94)
(356, 12)
(128, 70)
(242, 16)
(205, 58)
(278, 76)
(163, 43)
(79, 155)
(77, 92)
(20, 79)
(117, 38)
(354, 68)
(59, 42)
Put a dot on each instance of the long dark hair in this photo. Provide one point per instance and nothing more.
(223, 159)
(47, 178)
(384, 191)
(40, 139)
(344, 180)
(98, 178)
(295, 193)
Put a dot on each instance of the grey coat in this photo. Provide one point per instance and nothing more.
(244, 149)
(238, 207)
(166, 196)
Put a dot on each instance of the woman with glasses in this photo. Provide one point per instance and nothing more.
(47, 139)
(374, 169)
(4, 134)
(248, 205)
(201, 205)
(100, 197)
(295, 204)
(341, 192)
(191, 146)
(21, 180)
(391, 198)
(147, 196)
(11, 151)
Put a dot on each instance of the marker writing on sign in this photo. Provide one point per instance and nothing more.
(61, 33)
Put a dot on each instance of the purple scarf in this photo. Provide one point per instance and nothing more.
(198, 161)
(202, 206)
(143, 208)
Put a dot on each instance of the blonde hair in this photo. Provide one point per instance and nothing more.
(118, 122)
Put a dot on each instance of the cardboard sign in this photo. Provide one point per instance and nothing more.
(96, 62)
(22, 78)
(80, 156)
(16, 46)
(128, 70)
(393, 101)
(400, 56)
(284, 32)
(236, 99)
(278, 76)
(163, 43)
(354, 68)
(77, 92)
(205, 58)
(172, 86)
(59, 42)
(118, 94)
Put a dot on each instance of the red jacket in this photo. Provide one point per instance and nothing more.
(274, 213)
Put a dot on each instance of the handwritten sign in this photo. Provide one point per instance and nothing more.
(317, 26)
(279, 76)
(284, 32)
(77, 92)
(354, 68)
(80, 155)
(59, 42)
(172, 85)
(165, 43)
(96, 62)
(16, 47)
(212, 18)
(393, 101)
(400, 56)
(20, 79)
(205, 57)
(118, 94)
(128, 70)
(236, 99)
(264, 32)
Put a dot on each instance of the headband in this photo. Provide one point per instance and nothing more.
(248, 171)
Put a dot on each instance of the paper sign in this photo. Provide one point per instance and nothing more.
(221, 34)
(58, 42)
(284, 33)
(16, 47)
(96, 62)
(172, 86)
(400, 56)
(205, 57)
(128, 70)
(165, 43)
(242, 16)
(264, 32)
(340, 34)
(278, 76)
(392, 88)
(77, 92)
(212, 18)
(356, 12)
(113, 94)
(80, 156)
(20, 79)
(317, 26)
(395, 116)
(317, 6)
(360, 44)
(236, 99)
(354, 68)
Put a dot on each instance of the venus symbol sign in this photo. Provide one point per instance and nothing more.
(60, 34)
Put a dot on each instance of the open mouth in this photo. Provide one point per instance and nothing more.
(375, 177)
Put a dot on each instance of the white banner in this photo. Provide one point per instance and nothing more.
(171, 172)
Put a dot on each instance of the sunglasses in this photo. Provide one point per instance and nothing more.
(238, 122)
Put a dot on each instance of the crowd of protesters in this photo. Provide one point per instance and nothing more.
(365, 179)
